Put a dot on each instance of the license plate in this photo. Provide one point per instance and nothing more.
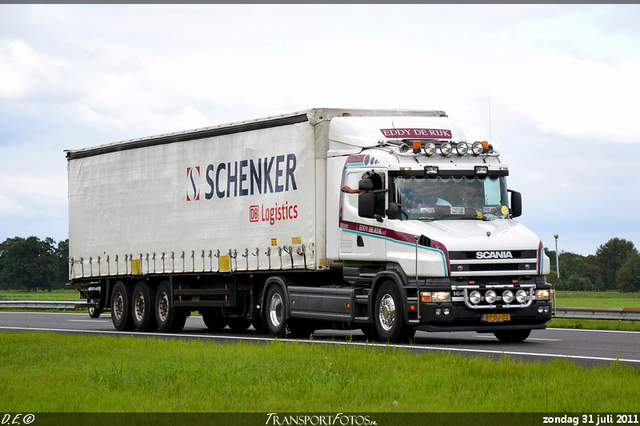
(496, 317)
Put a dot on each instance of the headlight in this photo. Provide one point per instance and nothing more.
(474, 297)
(507, 296)
(477, 148)
(543, 295)
(490, 296)
(429, 148)
(441, 296)
(521, 296)
(445, 148)
(435, 296)
(462, 148)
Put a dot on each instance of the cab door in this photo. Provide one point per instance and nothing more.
(362, 219)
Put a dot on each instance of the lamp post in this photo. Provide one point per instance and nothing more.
(557, 275)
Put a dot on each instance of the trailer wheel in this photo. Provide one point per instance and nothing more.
(121, 307)
(276, 315)
(512, 336)
(168, 318)
(142, 304)
(388, 316)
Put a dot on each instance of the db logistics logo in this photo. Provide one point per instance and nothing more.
(193, 176)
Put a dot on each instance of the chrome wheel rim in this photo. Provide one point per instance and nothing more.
(118, 306)
(276, 310)
(139, 307)
(163, 307)
(387, 312)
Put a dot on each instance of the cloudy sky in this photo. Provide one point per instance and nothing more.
(556, 88)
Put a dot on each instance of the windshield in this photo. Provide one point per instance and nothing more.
(423, 198)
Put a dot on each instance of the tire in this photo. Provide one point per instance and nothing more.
(168, 318)
(238, 324)
(275, 315)
(512, 336)
(213, 321)
(388, 315)
(121, 307)
(94, 312)
(142, 307)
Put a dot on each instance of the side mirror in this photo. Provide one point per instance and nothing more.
(516, 203)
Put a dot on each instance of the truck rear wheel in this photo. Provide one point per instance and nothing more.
(121, 307)
(168, 318)
(142, 304)
(512, 336)
(275, 315)
(388, 316)
(213, 321)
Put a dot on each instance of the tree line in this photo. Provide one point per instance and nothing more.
(615, 266)
(32, 264)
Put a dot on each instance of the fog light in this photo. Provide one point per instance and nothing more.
(438, 311)
(490, 296)
(507, 296)
(540, 309)
(474, 297)
(521, 296)
(547, 309)
(446, 311)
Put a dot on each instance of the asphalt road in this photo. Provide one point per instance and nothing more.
(584, 347)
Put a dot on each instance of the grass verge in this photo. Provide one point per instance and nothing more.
(42, 372)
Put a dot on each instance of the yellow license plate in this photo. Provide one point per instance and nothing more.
(496, 317)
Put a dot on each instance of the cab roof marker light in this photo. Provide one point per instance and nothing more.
(431, 170)
(481, 170)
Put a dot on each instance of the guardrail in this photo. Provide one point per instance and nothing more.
(569, 312)
(46, 304)
(620, 314)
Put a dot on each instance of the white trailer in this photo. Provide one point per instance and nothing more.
(257, 223)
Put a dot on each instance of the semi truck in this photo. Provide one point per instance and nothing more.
(387, 221)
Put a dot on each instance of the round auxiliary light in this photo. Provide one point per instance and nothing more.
(404, 148)
(445, 148)
(521, 296)
(477, 148)
(474, 297)
(507, 296)
(429, 148)
(462, 148)
(490, 296)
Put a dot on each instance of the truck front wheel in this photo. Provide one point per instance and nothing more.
(121, 307)
(512, 336)
(388, 317)
(276, 315)
(169, 319)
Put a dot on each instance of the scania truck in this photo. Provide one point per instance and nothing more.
(388, 221)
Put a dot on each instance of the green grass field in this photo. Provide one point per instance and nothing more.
(42, 372)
